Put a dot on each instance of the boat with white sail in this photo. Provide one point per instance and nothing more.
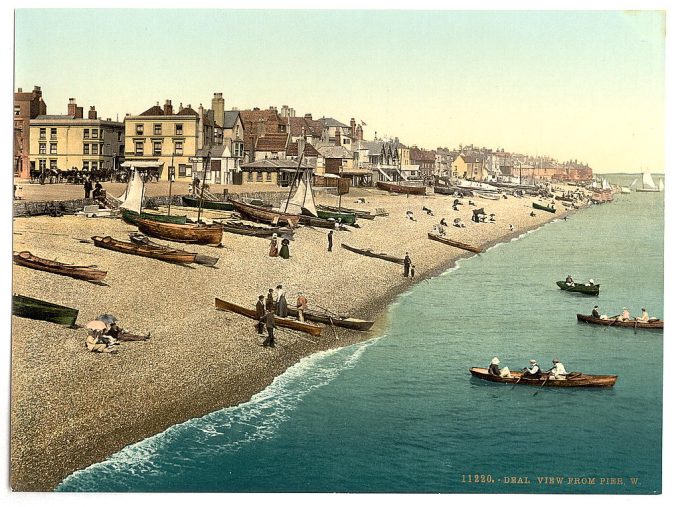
(648, 184)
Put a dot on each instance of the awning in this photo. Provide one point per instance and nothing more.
(142, 163)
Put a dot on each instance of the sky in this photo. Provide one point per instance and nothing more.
(584, 85)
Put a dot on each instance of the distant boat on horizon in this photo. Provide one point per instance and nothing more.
(648, 184)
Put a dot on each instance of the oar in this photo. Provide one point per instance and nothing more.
(613, 320)
(635, 327)
(513, 385)
(333, 327)
(546, 379)
(573, 374)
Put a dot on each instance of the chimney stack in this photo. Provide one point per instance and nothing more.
(308, 116)
(167, 107)
(92, 113)
(20, 90)
(218, 109)
(353, 127)
(72, 107)
(338, 142)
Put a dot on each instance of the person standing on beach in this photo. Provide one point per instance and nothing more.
(270, 304)
(281, 303)
(284, 252)
(413, 270)
(407, 265)
(259, 313)
(330, 241)
(270, 324)
(301, 305)
(274, 246)
(88, 187)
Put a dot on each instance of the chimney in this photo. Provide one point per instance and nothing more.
(353, 127)
(260, 128)
(338, 142)
(92, 113)
(79, 113)
(308, 116)
(72, 107)
(218, 109)
(360, 133)
(20, 90)
(201, 127)
(167, 107)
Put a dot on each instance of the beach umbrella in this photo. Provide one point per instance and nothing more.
(107, 318)
(96, 325)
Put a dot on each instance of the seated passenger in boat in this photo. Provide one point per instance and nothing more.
(569, 281)
(591, 282)
(557, 372)
(495, 370)
(625, 315)
(596, 312)
(533, 371)
(644, 317)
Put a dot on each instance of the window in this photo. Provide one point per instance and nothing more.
(53, 163)
(182, 170)
(120, 136)
(259, 176)
(157, 129)
(250, 176)
(217, 175)
(86, 165)
(95, 149)
(94, 165)
(95, 133)
(179, 129)
(17, 111)
(42, 164)
(42, 148)
(179, 148)
(139, 147)
(345, 141)
(86, 149)
(139, 128)
(53, 133)
(156, 147)
(269, 176)
(53, 148)
(238, 131)
(43, 133)
(86, 133)
(237, 149)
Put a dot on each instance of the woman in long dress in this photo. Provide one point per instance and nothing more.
(274, 246)
(281, 302)
(284, 252)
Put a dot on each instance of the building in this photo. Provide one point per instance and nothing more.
(70, 142)
(470, 166)
(425, 160)
(27, 106)
(256, 124)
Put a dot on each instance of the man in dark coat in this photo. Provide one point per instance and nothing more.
(330, 241)
(268, 320)
(270, 305)
(88, 187)
(259, 313)
(407, 265)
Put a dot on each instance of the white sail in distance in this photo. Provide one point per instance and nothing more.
(135, 193)
(661, 185)
(647, 181)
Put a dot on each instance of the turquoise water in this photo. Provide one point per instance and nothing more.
(401, 413)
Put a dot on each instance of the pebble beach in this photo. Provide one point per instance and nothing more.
(71, 408)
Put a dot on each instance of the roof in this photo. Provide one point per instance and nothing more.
(187, 111)
(332, 122)
(55, 117)
(272, 142)
(472, 159)
(425, 155)
(335, 152)
(153, 111)
(269, 117)
(293, 150)
(297, 123)
(230, 118)
(276, 164)
(215, 151)
(373, 147)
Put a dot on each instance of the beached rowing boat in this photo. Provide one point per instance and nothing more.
(140, 239)
(312, 329)
(366, 215)
(194, 202)
(265, 215)
(574, 379)
(452, 242)
(320, 222)
(651, 324)
(252, 230)
(188, 233)
(549, 209)
(131, 217)
(486, 195)
(446, 190)
(340, 321)
(89, 273)
(176, 256)
(590, 290)
(401, 189)
(345, 218)
(36, 309)
(370, 253)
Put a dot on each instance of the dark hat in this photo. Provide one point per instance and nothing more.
(279, 286)
(271, 290)
(260, 297)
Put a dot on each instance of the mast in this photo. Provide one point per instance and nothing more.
(206, 162)
(297, 171)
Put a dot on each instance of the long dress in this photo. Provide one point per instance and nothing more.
(282, 305)
(284, 252)
(274, 248)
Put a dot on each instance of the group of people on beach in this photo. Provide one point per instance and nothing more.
(557, 372)
(103, 335)
(98, 190)
(624, 316)
(276, 305)
(275, 250)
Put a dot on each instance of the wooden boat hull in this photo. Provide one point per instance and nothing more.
(589, 290)
(88, 273)
(346, 322)
(153, 252)
(251, 230)
(573, 380)
(312, 329)
(451, 242)
(131, 217)
(369, 253)
(36, 309)
(194, 202)
(319, 222)
(445, 190)
(486, 195)
(139, 239)
(401, 189)
(366, 215)
(654, 324)
(543, 208)
(345, 218)
(187, 233)
(264, 215)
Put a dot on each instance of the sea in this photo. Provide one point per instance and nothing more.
(400, 413)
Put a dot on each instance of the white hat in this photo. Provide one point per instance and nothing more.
(495, 360)
(532, 361)
(274, 235)
(591, 280)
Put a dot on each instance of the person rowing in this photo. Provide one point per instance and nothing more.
(644, 317)
(569, 281)
(558, 371)
(625, 315)
(534, 370)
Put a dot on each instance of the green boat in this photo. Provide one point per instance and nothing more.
(589, 290)
(345, 218)
(193, 202)
(549, 209)
(131, 217)
(30, 308)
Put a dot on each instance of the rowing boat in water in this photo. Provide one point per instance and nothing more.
(312, 329)
(340, 321)
(131, 217)
(140, 239)
(89, 273)
(366, 215)
(36, 309)
(590, 290)
(549, 209)
(252, 230)
(651, 324)
(265, 215)
(176, 256)
(194, 202)
(370, 253)
(188, 233)
(401, 189)
(452, 242)
(574, 379)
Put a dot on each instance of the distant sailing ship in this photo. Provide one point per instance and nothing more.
(648, 184)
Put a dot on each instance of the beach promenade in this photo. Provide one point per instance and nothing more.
(71, 408)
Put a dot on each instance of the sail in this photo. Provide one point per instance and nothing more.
(606, 185)
(661, 185)
(135, 193)
(647, 181)
(633, 184)
(309, 204)
(302, 200)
